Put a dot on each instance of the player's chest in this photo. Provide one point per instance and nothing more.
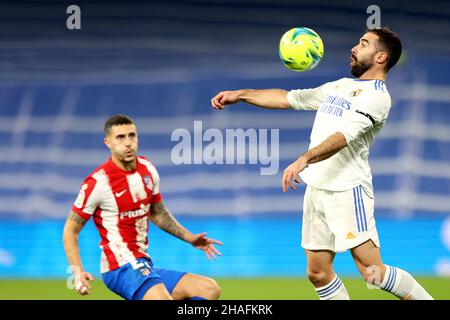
(338, 104)
(131, 191)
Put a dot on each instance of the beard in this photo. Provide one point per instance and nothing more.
(358, 69)
(128, 157)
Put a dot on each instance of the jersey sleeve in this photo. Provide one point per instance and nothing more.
(370, 110)
(308, 99)
(88, 199)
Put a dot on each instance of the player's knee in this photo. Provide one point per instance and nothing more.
(318, 278)
(211, 289)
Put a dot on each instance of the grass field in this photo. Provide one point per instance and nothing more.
(232, 289)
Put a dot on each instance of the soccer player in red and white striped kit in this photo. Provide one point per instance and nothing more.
(122, 195)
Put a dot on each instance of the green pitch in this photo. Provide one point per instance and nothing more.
(232, 288)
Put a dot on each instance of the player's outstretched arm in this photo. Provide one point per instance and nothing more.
(164, 220)
(268, 98)
(72, 228)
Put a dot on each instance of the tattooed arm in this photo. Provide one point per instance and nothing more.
(72, 228)
(164, 220)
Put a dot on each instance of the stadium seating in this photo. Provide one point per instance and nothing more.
(58, 88)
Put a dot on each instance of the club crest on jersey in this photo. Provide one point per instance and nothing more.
(148, 182)
(355, 93)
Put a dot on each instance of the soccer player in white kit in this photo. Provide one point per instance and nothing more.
(338, 208)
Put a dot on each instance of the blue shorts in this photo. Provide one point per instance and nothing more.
(132, 280)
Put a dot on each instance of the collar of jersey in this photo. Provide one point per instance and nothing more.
(368, 80)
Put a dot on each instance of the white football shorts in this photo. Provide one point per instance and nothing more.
(337, 220)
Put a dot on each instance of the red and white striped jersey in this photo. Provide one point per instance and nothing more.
(120, 202)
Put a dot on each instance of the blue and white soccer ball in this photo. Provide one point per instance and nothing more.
(301, 49)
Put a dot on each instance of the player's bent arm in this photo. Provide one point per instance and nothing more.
(323, 151)
(162, 217)
(329, 147)
(165, 220)
(266, 98)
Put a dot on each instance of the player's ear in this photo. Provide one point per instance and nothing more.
(381, 57)
(107, 142)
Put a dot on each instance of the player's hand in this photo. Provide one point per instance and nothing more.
(81, 282)
(291, 172)
(200, 241)
(223, 98)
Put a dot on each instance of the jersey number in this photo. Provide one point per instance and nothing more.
(138, 265)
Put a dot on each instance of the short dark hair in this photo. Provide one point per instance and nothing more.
(116, 120)
(389, 42)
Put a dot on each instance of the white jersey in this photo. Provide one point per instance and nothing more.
(356, 108)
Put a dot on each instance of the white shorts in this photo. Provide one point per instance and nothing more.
(337, 220)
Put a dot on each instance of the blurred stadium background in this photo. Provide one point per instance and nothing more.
(161, 62)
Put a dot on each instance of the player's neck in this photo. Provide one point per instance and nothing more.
(373, 75)
(126, 166)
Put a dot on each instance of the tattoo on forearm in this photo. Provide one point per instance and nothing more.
(76, 218)
(166, 221)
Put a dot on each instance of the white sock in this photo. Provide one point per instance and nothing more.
(403, 285)
(335, 290)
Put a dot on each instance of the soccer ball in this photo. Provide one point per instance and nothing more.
(301, 49)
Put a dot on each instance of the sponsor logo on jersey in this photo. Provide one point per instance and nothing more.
(135, 213)
(338, 102)
(334, 105)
